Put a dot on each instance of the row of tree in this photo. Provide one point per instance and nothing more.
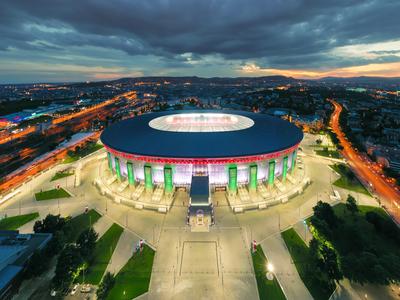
(74, 258)
(341, 247)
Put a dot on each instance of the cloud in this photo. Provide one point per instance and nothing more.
(381, 70)
(196, 36)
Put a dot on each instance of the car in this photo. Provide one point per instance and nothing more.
(74, 289)
(53, 293)
(86, 288)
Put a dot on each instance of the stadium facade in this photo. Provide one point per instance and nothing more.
(231, 148)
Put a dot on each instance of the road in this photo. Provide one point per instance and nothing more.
(390, 198)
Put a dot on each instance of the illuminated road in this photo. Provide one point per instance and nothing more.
(390, 198)
(76, 122)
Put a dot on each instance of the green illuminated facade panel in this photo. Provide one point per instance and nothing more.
(148, 177)
(232, 185)
(271, 173)
(253, 177)
(117, 168)
(168, 183)
(294, 156)
(284, 168)
(131, 177)
(109, 161)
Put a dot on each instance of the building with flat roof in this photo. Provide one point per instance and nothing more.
(15, 251)
(231, 147)
(234, 151)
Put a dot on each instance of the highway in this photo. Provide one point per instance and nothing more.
(75, 122)
(387, 193)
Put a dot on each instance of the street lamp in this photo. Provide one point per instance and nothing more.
(270, 267)
(270, 270)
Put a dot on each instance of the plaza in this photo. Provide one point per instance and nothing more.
(181, 253)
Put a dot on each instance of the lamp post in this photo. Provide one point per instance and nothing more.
(270, 270)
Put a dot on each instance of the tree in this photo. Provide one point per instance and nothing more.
(50, 224)
(375, 219)
(87, 242)
(321, 226)
(351, 205)
(325, 212)
(56, 243)
(67, 266)
(37, 264)
(105, 286)
(330, 263)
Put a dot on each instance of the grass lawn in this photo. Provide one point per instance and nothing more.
(13, 223)
(267, 289)
(348, 180)
(61, 174)
(134, 277)
(86, 150)
(328, 153)
(70, 159)
(80, 223)
(301, 258)
(105, 247)
(52, 194)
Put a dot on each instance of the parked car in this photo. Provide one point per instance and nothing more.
(86, 288)
(74, 289)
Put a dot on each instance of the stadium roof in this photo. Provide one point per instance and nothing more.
(267, 135)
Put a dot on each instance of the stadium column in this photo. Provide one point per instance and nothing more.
(118, 168)
(271, 173)
(232, 184)
(148, 178)
(294, 156)
(131, 177)
(253, 177)
(168, 185)
(284, 168)
(109, 161)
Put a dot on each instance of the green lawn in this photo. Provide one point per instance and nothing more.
(13, 223)
(80, 223)
(348, 180)
(61, 174)
(70, 159)
(267, 289)
(302, 260)
(105, 247)
(86, 150)
(328, 153)
(134, 277)
(52, 194)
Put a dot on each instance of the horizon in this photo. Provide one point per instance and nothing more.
(202, 77)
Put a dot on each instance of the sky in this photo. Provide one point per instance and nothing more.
(87, 40)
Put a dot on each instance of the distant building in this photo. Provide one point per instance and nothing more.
(392, 136)
(15, 250)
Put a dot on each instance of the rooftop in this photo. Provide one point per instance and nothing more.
(208, 134)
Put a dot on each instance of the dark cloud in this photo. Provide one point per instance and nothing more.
(278, 34)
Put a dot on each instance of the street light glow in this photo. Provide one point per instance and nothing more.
(270, 267)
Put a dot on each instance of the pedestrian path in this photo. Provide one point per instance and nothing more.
(123, 252)
(102, 225)
(275, 249)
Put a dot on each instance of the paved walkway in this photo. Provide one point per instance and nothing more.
(102, 225)
(123, 252)
(277, 253)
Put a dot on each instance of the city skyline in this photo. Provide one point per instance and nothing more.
(78, 41)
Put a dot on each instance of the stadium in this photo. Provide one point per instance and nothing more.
(203, 152)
